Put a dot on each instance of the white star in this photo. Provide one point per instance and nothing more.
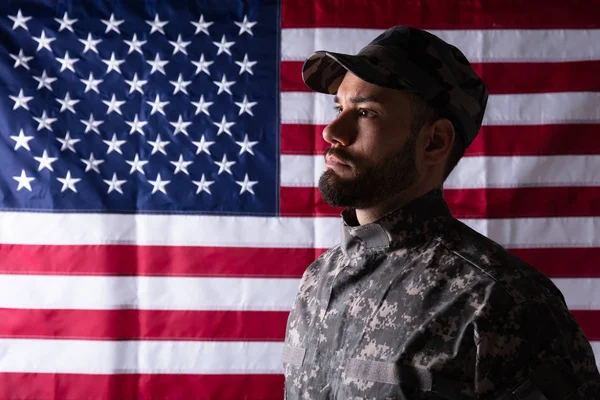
(135, 44)
(203, 185)
(246, 185)
(45, 161)
(90, 44)
(201, 26)
(68, 182)
(203, 145)
(114, 105)
(179, 45)
(114, 184)
(114, 144)
(159, 184)
(223, 46)
(202, 65)
(224, 126)
(246, 145)
(157, 25)
(136, 84)
(24, 181)
(202, 106)
(180, 126)
(245, 106)
(112, 24)
(19, 21)
(181, 165)
(157, 105)
(136, 165)
(67, 62)
(44, 81)
(92, 163)
(136, 125)
(21, 100)
(91, 124)
(44, 122)
(67, 103)
(245, 26)
(68, 143)
(159, 145)
(224, 165)
(21, 59)
(158, 65)
(44, 41)
(246, 65)
(91, 83)
(224, 85)
(65, 22)
(180, 85)
(22, 140)
(113, 64)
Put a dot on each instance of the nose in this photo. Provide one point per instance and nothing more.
(341, 131)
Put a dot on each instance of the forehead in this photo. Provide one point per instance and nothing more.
(352, 87)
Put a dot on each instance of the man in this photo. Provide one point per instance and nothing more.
(413, 304)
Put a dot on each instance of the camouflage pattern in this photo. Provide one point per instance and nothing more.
(411, 59)
(419, 306)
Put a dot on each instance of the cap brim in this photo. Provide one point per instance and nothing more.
(323, 71)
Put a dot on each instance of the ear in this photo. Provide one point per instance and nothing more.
(440, 137)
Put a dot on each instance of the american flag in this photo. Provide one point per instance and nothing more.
(159, 162)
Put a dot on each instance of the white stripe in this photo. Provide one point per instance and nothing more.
(489, 45)
(139, 357)
(176, 293)
(146, 293)
(73, 229)
(475, 172)
(146, 357)
(169, 230)
(580, 293)
(507, 109)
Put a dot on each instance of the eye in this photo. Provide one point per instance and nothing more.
(363, 113)
(338, 110)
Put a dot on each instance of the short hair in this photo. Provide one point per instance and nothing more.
(422, 114)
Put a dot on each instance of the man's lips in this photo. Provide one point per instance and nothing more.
(333, 161)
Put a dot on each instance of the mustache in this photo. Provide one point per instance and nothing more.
(340, 155)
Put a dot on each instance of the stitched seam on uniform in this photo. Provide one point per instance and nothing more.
(443, 243)
(293, 355)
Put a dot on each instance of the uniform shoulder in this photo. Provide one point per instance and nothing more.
(520, 280)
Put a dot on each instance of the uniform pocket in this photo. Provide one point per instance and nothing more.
(385, 372)
(293, 355)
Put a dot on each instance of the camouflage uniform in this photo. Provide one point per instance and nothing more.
(419, 306)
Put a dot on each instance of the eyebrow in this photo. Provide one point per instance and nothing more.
(358, 99)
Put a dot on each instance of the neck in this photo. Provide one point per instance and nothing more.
(368, 215)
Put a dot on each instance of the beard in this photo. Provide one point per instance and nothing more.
(370, 183)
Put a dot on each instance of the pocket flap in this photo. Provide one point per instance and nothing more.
(293, 355)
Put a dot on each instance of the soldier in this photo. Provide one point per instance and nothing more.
(413, 304)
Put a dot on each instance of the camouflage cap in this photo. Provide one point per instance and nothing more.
(411, 59)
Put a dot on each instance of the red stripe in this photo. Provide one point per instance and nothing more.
(543, 202)
(37, 386)
(535, 202)
(526, 140)
(173, 325)
(500, 78)
(589, 320)
(125, 260)
(563, 262)
(144, 324)
(450, 14)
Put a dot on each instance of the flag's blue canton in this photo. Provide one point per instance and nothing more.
(135, 108)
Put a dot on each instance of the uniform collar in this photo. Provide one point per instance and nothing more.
(412, 224)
